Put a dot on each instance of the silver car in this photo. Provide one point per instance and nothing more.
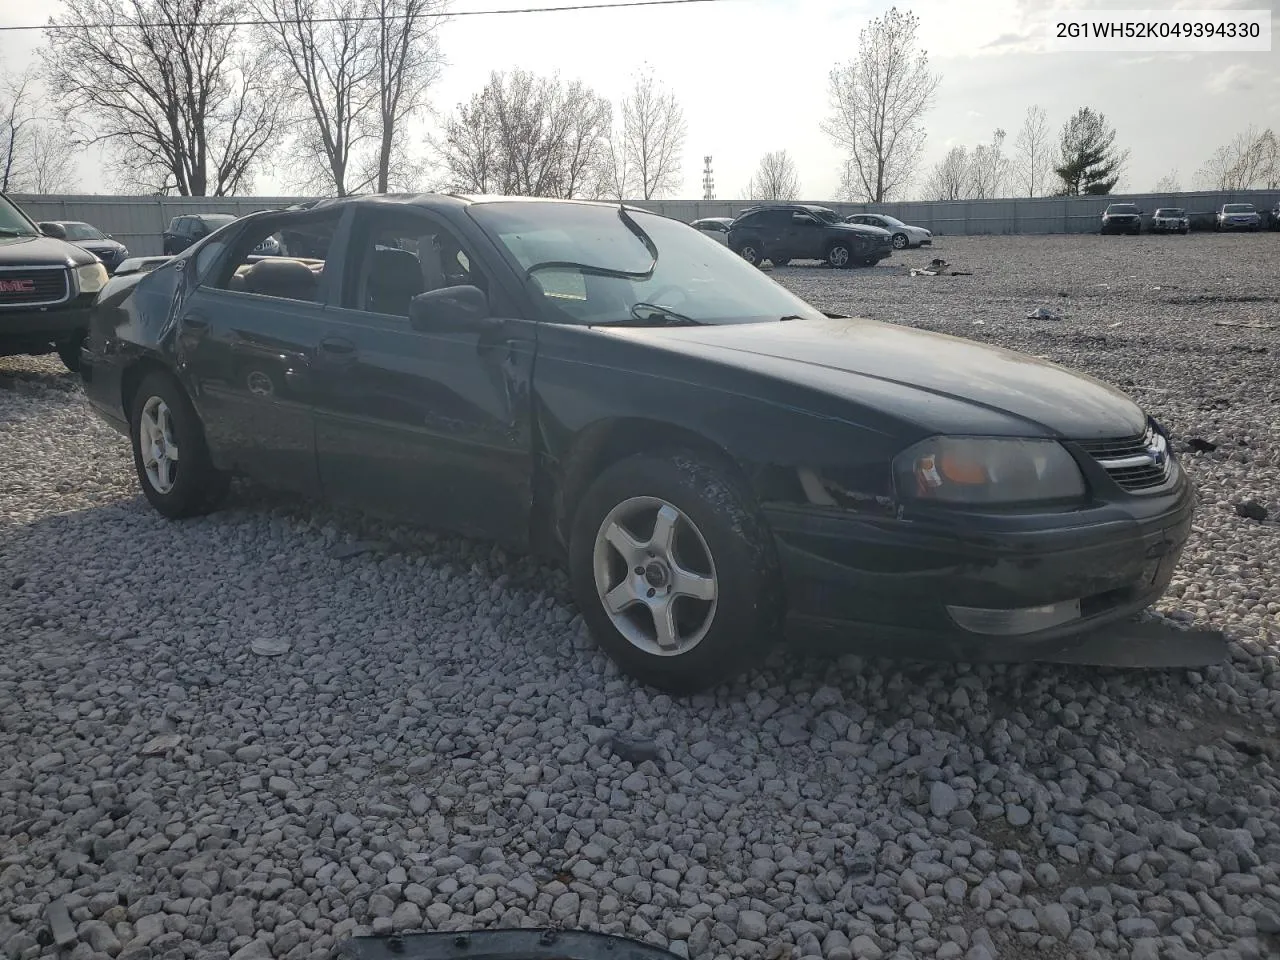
(717, 228)
(1170, 220)
(1238, 216)
(904, 235)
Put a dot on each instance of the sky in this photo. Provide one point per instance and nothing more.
(751, 76)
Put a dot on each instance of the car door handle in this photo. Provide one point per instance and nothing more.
(338, 346)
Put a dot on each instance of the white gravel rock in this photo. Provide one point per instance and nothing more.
(441, 747)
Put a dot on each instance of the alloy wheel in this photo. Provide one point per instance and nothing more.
(655, 576)
(158, 445)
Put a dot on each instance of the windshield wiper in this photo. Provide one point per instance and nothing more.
(596, 271)
(643, 314)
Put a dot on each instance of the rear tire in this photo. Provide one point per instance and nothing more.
(839, 255)
(780, 261)
(69, 352)
(718, 578)
(169, 451)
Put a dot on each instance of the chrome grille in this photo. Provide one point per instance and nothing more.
(1134, 463)
(33, 286)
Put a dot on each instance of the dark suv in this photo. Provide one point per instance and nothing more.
(1122, 218)
(783, 232)
(187, 229)
(46, 288)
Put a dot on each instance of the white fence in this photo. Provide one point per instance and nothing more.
(138, 222)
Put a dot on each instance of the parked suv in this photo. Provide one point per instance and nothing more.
(1274, 215)
(1122, 218)
(1170, 220)
(187, 229)
(784, 232)
(1237, 216)
(46, 287)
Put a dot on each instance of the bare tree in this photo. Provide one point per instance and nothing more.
(1250, 161)
(618, 179)
(1169, 183)
(988, 169)
(34, 157)
(17, 121)
(775, 178)
(1033, 150)
(407, 61)
(329, 52)
(653, 134)
(53, 165)
(169, 87)
(950, 177)
(878, 103)
(529, 136)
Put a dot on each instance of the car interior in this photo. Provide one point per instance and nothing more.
(404, 259)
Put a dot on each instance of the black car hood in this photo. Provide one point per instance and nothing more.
(40, 251)
(866, 230)
(941, 383)
(94, 246)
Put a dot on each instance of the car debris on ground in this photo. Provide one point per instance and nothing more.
(939, 268)
(1043, 313)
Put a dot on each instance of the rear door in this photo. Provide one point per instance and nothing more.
(247, 340)
(433, 427)
(806, 236)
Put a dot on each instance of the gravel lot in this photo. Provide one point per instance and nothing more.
(442, 747)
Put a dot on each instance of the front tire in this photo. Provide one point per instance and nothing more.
(839, 256)
(69, 352)
(675, 572)
(170, 453)
(900, 241)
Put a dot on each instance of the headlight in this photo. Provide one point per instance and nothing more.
(91, 278)
(987, 470)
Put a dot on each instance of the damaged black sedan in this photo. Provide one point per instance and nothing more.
(718, 463)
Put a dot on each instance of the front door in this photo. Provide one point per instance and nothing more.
(429, 426)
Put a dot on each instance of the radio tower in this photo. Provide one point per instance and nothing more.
(708, 180)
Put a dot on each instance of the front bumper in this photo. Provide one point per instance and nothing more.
(1121, 226)
(102, 377)
(1172, 226)
(1239, 224)
(45, 324)
(883, 584)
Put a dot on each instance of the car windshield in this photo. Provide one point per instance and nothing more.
(1122, 208)
(1169, 212)
(82, 231)
(13, 223)
(692, 280)
(1238, 208)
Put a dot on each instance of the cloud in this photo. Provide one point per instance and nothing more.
(1235, 77)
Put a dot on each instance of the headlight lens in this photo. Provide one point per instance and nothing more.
(91, 278)
(987, 470)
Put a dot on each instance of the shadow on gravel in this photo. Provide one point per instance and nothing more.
(24, 373)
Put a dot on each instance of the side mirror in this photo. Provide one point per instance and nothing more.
(450, 310)
(55, 230)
